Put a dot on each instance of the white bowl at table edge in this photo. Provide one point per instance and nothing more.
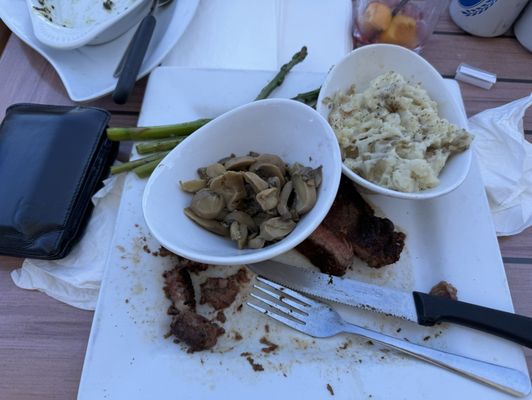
(67, 38)
(373, 60)
(163, 201)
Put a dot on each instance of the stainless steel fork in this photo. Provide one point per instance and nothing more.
(319, 320)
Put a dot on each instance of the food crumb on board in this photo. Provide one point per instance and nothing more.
(220, 316)
(108, 5)
(237, 336)
(330, 389)
(426, 338)
(271, 347)
(256, 366)
(267, 328)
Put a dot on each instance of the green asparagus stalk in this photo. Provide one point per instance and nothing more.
(156, 132)
(159, 145)
(309, 98)
(285, 69)
(128, 166)
(145, 170)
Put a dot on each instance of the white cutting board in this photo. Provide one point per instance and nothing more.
(449, 238)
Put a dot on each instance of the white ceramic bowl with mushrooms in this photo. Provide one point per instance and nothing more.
(289, 130)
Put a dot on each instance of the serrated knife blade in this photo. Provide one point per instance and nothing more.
(353, 293)
(422, 308)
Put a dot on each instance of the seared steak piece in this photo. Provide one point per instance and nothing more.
(444, 289)
(195, 330)
(351, 228)
(178, 288)
(192, 266)
(327, 250)
(221, 292)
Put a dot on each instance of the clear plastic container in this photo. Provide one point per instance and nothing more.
(406, 23)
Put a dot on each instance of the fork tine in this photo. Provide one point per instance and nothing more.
(280, 296)
(291, 323)
(299, 297)
(278, 307)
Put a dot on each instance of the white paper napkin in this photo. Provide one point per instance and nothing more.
(75, 279)
(505, 160)
(264, 34)
(241, 34)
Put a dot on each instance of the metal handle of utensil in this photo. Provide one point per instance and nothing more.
(134, 58)
(503, 378)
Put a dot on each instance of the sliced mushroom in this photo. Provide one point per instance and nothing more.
(231, 186)
(268, 199)
(256, 243)
(239, 163)
(276, 228)
(225, 159)
(274, 181)
(267, 170)
(193, 185)
(239, 233)
(210, 224)
(242, 218)
(282, 206)
(305, 194)
(272, 159)
(207, 204)
(312, 176)
(256, 182)
(215, 170)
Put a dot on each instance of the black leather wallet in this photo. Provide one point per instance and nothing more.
(52, 160)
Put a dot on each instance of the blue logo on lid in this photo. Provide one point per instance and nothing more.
(469, 3)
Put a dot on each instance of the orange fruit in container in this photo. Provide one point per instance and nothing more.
(376, 18)
(401, 31)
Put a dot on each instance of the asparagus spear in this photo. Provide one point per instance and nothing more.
(145, 170)
(156, 132)
(159, 145)
(279, 78)
(309, 98)
(128, 166)
(186, 128)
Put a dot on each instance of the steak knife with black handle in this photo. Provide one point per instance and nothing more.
(421, 308)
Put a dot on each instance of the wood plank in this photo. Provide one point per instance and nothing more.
(503, 56)
(28, 77)
(519, 246)
(42, 342)
(477, 99)
(445, 24)
(4, 36)
(520, 281)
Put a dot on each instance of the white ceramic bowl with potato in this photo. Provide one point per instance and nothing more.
(286, 128)
(366, 63)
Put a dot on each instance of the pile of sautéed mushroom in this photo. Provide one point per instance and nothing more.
(255, 200)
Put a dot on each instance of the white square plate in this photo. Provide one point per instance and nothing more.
(87, 72)
(449, 238)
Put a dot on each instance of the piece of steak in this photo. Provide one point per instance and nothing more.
(444, 289)
(178, 288)
(351, 228)
(195, 330)
(221, 292)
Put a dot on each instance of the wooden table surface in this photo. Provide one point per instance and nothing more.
(43, 341)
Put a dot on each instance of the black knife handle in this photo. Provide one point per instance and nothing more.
(134, 59)
(433, 309)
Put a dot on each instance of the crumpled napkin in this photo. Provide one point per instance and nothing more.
(505, 160)
(75, 279)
